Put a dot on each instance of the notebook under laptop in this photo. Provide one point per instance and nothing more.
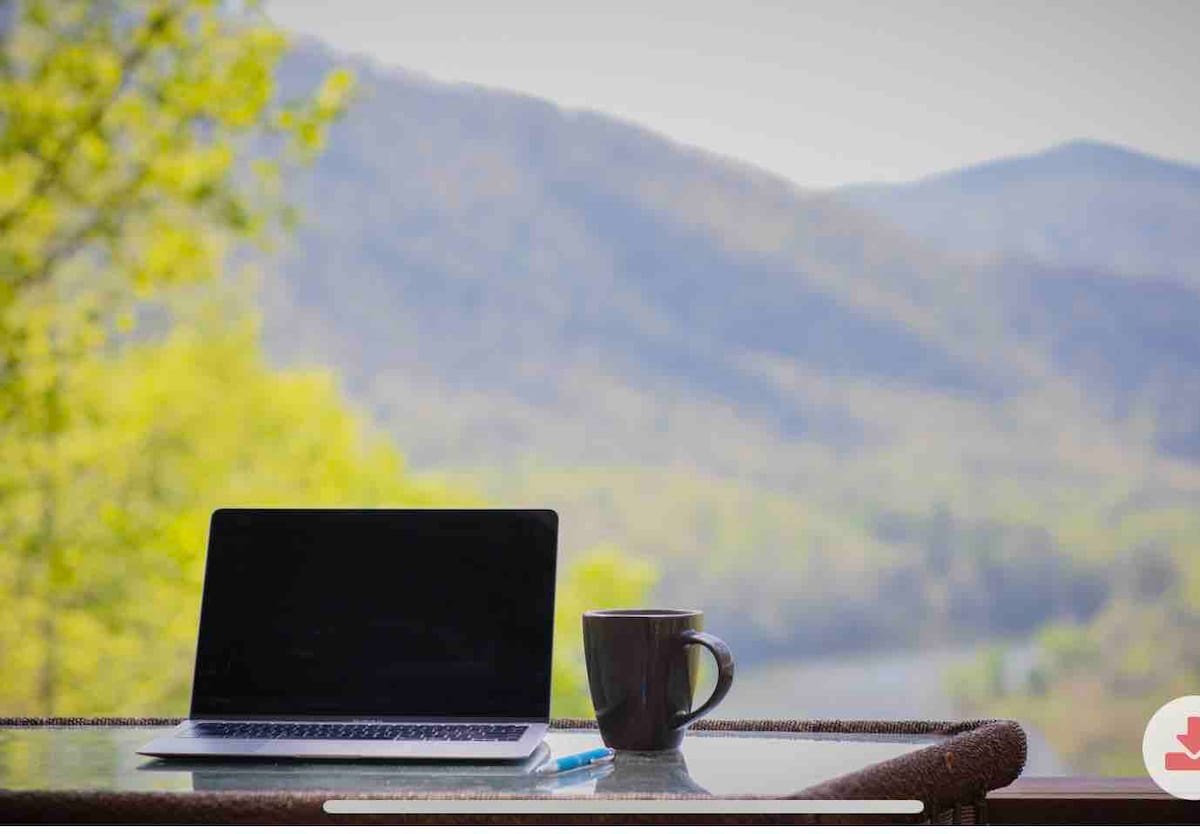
(372, 634)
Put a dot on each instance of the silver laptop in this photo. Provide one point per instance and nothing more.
(384, 634)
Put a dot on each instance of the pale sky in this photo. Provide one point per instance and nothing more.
(824, 93)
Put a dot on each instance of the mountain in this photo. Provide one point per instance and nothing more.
(1130, 342)
(1092, 253)
(1079, 205)
(824, 430)
(488, 242)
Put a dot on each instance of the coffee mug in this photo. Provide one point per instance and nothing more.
(642, 666)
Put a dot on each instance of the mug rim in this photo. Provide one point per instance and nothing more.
(641, 613)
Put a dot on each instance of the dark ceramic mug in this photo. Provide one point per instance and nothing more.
(642, 666)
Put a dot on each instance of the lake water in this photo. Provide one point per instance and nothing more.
(896, 685)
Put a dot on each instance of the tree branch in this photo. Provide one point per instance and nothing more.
(53, 167)
(106, 213)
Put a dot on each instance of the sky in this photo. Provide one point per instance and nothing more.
(824, 93)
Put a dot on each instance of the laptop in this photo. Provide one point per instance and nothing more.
(381, 634)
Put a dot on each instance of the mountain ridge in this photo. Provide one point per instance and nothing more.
(1079, 156)
(1081, 204)
(711, 366)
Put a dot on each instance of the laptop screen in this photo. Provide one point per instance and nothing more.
(377, 613)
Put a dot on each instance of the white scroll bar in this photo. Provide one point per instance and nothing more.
(623, 806)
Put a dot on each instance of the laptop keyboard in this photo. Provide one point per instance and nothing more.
(358, 731)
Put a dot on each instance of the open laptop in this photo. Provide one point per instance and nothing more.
(373, 634)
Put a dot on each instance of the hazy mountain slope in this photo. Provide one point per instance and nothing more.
(1093, 253)
(493, 242)
(1082, 204)
(793, 407)
(1132, 343)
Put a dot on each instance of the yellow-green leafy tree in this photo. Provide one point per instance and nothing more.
(126, 131)
(603, 577)
(108, 624)
(176, 428)
(139, 141)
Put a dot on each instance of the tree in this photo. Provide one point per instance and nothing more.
(128, 163)
(126, 127)
(175, 428)
(139, 142)
(1096, 683)
(178, 427)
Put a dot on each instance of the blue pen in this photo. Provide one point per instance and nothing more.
(575, 778)
(576, 760)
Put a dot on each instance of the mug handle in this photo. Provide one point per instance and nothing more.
(724, 658)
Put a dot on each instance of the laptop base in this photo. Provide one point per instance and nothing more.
(183, 743)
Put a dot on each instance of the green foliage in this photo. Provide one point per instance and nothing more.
(107, 623)
(139, 142)
(602, 577)
(126, 133)
(124, 126)
(1097, 683)
(123, 129)
(105, 620)
(811, 571)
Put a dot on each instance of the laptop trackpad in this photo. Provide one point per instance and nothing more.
(217, 747)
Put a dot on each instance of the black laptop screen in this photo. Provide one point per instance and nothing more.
(377, 613)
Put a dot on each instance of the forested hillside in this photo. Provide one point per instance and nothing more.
(830, 433)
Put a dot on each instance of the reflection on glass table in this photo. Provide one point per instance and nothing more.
(355, 776)
(732, 764)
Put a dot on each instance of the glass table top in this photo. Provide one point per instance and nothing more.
(709, 763)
